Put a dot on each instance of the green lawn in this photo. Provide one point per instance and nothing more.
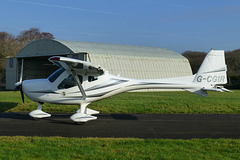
(138, 102)
(21, 148)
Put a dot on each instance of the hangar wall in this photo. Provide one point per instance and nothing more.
(143, 67)
(128, 61)
(11, 72)
(133, 61)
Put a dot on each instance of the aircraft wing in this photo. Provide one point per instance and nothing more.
(76, 65)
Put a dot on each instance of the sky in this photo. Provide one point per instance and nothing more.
(179, 25)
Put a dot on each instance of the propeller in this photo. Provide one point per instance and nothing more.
(19, 84)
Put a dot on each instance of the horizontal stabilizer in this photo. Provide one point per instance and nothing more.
(226, 90)
(198, 91)
(217, 88)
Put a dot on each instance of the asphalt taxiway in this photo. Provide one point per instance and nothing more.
(172, 126)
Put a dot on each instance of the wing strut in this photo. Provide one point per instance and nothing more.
(76, 79)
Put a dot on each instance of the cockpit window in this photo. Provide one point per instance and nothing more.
(69, 82)
(92, 78)
(55, 75)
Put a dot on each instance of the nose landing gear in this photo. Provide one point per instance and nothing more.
(38, 113)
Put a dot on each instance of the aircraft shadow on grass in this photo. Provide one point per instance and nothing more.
(4, 106)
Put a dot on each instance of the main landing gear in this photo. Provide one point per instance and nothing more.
(83, 115)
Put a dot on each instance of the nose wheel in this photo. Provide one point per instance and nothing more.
(38, 113)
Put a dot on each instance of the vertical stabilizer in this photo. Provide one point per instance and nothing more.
(213, 70)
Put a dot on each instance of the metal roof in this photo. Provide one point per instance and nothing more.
(47, 47)
(119, 50)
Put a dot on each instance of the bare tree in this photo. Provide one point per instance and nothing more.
(7, 48)
(195, 59)
(10, 45)
(6, 44)
(31, 35)
(233, 62)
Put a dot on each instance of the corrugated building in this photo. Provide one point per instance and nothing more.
(128, 61)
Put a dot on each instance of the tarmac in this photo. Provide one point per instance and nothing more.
(167, 126)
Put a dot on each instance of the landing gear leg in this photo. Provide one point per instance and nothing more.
(83, 108)
(84, 114)
(38, 113)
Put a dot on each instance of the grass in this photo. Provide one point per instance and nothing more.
(138, 102)
(109, 148)
(22, 148)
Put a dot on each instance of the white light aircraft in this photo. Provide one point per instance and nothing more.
(80, 82)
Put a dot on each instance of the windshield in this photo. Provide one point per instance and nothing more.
(56, 74)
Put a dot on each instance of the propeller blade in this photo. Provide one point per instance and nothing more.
(19, 84)
(21, 75)
(22, 94)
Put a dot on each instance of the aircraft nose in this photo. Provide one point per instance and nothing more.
(33, 88)
(24, 87)
(34, 85)
(27, 86)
